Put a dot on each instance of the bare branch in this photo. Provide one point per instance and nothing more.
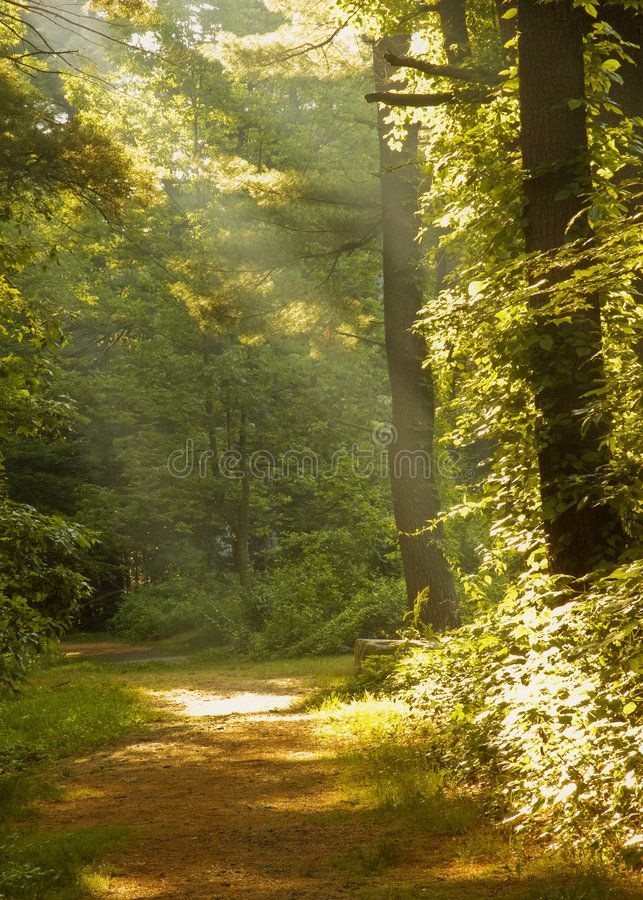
(303, 49)
(480, 76)
(361, 337)
(420, 10)
(392, 98)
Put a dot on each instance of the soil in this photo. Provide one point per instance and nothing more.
(112, 651)
(236, 795)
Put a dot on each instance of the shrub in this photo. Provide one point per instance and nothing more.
(306, 611)
(374, 611)
(40, 589)
(319, 594)
(541, 700)
(177, 606)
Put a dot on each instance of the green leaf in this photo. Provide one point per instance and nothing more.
(476, 288)
(636, 663)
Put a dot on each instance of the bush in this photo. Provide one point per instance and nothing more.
(375, 611)
(540, 701)
(40, 589)
(316, 597)
(177, 606)
(319, 594)
(307, 609)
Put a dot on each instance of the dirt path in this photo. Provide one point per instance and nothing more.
(112, 651)
(237, 796)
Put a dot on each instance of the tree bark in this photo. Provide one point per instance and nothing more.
(242, 517)
(416, 499)
(453, 20)
(581, 529)
(628, 23)
(457, 48)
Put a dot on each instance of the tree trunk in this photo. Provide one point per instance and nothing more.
(457, 48)
(567, 363)
(242, 535)
(628, 22)
(415, 495)
(242, 517)
(455, 33)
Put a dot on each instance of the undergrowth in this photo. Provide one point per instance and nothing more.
(57, 866)
(61, 713)
(391, 774)
(64, 710)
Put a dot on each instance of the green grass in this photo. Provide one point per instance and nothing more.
(559, 878)
(65, 710)
(314, 671)
(219, 660)
(206, 667)
(369, 860)
(18, 793)
(56, 866)
(396, 782)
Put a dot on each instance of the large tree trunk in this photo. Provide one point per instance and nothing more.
(628, 22)
(455, 33)
(457, 47)
(415, 495)
(581, 529)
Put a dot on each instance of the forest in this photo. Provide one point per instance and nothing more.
(321, 323)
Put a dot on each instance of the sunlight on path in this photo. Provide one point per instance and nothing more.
(238, 793)
(198, 703)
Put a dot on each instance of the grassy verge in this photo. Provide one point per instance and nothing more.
(388, 778)
(63, 711)
(61, 866)
(71, 706)
(68, 709)
(217, 669)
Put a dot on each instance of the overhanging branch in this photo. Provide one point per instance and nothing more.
(479, 76)
(420, 10)
(392, 98)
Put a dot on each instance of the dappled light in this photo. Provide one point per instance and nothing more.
(197, 703)
(321, 449)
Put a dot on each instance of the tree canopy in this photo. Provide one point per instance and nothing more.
(326, 323)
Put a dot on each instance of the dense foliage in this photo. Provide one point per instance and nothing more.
(196, 327)
(537, 701)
